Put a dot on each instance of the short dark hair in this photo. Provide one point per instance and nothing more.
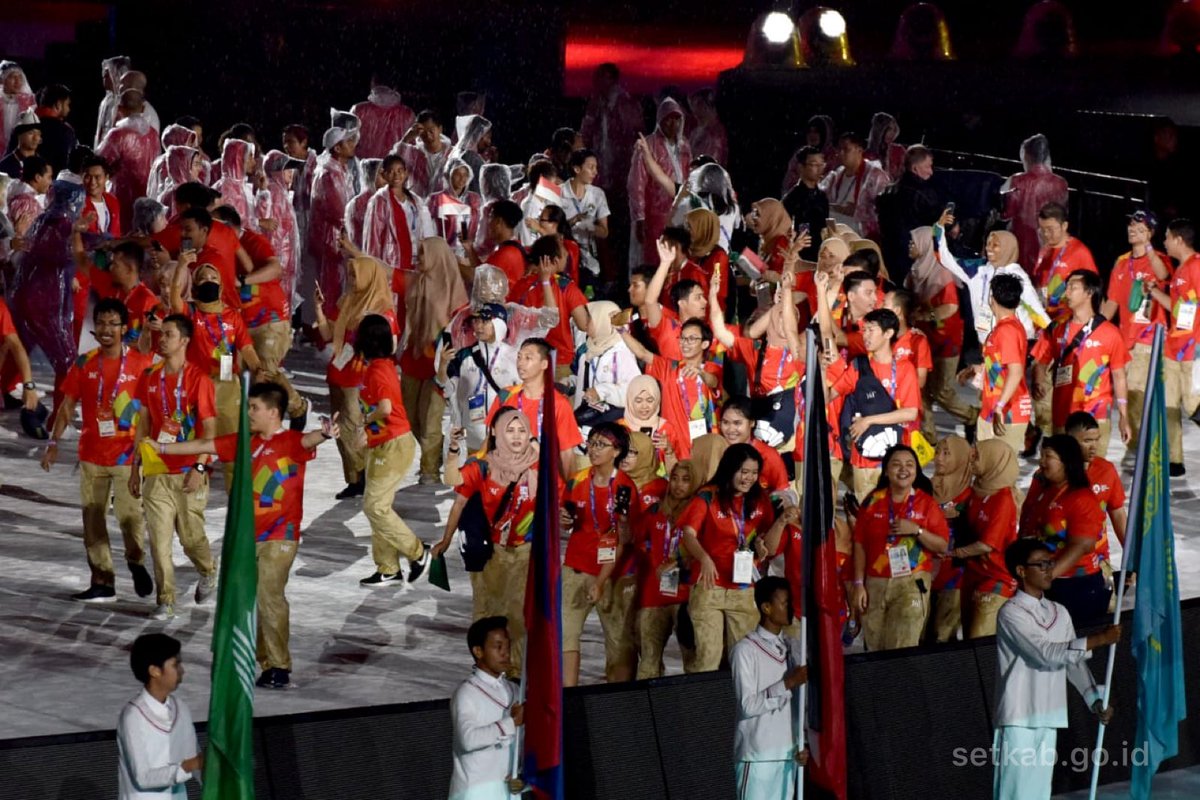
(1018, 553)
(921, 481)
(131, 250)
(906, 300)
(543, 168)
(541, 344)
(851, 281)
(561, 221)
(610, 69)
(544, 247)
(1053, 211)
(886, 319)
(200, 216)
(682, 289)
(1006, 289)
(480, 629)
(182, 322)
(1081, 421)
(227, 215)
(695, 322)
(32, 167)
(1091, 284)
(578, 157)
(111, 305)
(297, 130)
(240, 130)
(741, 404)
(562, 138)
(374, 339)
(915, 154)
(52, 94)
(392, 158)
(643, 271)
(1071, 455)
(679, 235)
(616, 433)
(1182, 227)
(766, 587)
(429, 115)
(803, 153)
(94, 160)
(194, 195)
(151, 650)
(271, 393)
(188, 121)
(853, 138)
(508, 212)
(857, 262)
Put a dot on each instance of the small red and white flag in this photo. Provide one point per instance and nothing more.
(549, 191)
(449, 206)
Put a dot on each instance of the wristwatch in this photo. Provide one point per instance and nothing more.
(29, 385)
(201, 467)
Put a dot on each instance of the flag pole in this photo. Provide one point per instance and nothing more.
(801, 702)
(518, 746)
(1133, 533)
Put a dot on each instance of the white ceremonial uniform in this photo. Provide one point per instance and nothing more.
(764, 744)
(153, 739)
(1036, 648)
(484, 734)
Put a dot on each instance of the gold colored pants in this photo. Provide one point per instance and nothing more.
(272, 342)
(387, 464)
(498, 590)
(984, 608)
(275, 559)
(896, 612)
(343, 401)
(170, 509)
(721, 618)
(424, 405)
(941, 388)
(655, 625)
(615, 609)
(96, 484)
(1181, 402)
(1014, 434)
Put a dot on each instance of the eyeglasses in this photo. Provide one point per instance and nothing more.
(691, 339)
(599, 444)
(1047, 565)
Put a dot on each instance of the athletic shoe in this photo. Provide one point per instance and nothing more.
(143, 584)
(1177, 470)
(274, 678)
(163, 611)
(352, 490)
(415, 568)
(378, 579)
(97, 594)
(206, 587)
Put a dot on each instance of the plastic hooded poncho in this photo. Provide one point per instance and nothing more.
(495, 184)
(13, 104)
(40, 295)
(235, 190)
(470, 129)
(24, 205)
(384, 119)
(112, 70)
(490, 285)
(348, 121)
(610, 127)
(146, 212)
(275, 201)
(382, 234)
(330, 192)
(455, 214)
(709, 187)
(179, 160)
(160, 181)
(1026, 192)
(130, 149)
(356, 209)
(649, 203)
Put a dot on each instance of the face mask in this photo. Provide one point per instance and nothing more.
(208, 292)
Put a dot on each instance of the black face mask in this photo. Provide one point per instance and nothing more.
(208, 292)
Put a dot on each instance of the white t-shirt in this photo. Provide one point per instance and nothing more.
(593, 206)
(103, 218)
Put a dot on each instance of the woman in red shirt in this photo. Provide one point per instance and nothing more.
(390, 451)
(991, 520)
(1063, 512)
(951, 489)
(728, 526)
(898, 531)
(505, 480)
(368, 291)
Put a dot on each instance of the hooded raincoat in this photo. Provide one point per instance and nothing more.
(178, 162)
(235, 191)
(276, 203)
(453, 214)
(160, 179)
(111, 69)
(130, 149)
(356, 209)
(649, 203)
(12, 105)
(384, 120)
(330, 193)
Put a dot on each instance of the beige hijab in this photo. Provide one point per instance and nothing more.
(435, 294)
(670, 507)
(927, 278)
(602, 337)
(956, 478)
(705, 228)
(643, 383)
(645, 467)
(996, 468)
(1008, 251)
(706, 455)
(773, 222)
(506, 465)
(368, 292)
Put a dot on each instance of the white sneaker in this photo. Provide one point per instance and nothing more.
(206, 587)
(163, 611)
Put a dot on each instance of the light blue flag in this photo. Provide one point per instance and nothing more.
(1157, 637)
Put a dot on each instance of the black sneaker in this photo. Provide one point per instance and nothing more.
(97, 594)
(352, 489)
(416, 568)
(378, 579)
(143, 584)
(274, 678)
(1177, 470)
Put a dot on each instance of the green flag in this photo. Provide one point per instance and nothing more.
(229, 760)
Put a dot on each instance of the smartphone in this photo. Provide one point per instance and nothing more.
(831, 223)
(829, 345)
(462, 230)
(624, 497)
(803, 229)
(647, 431)
(950, 206)
(185, 244)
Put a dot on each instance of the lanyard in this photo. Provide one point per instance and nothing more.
(688, 405)
(858, 178)
(592, 502)
(912, 497)
(479, 387)
(100, 382)
(739, 523)
(162, 392)
(669, 541)
(541, 400)
(217, 339)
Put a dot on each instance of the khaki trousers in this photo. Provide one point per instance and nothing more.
(896, 612)
(387, 464)
(343, 401)
(1136, 373)
(229, 409)
(721, 619)
(424, 405)
(498, 590)
(865, 479)
(274, 567)
(941, 388)
(1181, 402)
(272, 342)
(655, 626)
(616, 612)
(170, 509)
(984, 608)
(947, 615)
(96, 485)
(1043, 410)
(1014, 434)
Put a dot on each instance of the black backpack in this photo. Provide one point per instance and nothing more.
(869, 398)
(476, 546)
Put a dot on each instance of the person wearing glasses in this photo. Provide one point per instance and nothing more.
(1036, 647)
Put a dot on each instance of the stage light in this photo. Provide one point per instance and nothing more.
(922, 35)
(778, 27)
(832, 23)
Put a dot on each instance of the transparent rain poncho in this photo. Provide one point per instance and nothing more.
(13, 104)
(490, 285)
(276, 202)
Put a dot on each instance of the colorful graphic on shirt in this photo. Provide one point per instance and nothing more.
(270, 487)
(255, 312)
